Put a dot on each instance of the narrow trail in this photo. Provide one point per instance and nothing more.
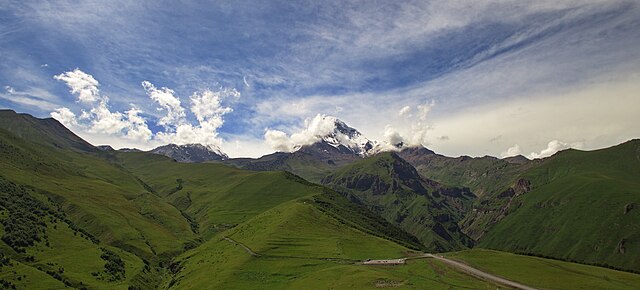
(478, 273)
(246, 249)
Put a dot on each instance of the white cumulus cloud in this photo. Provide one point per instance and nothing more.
(553, 147)
(416, 132)
(511, 151)
(168, 102)
(65, 116)
(278, 140)
(206, 106)
(137, 126)
(314, 129)
(98, 120)
(105, 121)
(81, 84)
(392, 137)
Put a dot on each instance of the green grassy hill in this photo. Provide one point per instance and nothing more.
(48, 132)
(45, 248)
(215, 197)
(97, 201)
(392, 188)
(298, 246)
(583, 206)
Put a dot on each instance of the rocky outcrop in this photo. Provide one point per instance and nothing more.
(520, 187)
(621, 246)
(628, 207)
(105, 148)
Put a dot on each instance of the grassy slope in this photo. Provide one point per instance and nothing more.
(546, 273)
(400, 204)
(299, 229)
(64, 251)
(302, 247)
(47, 132)
(219, 197)
(100, 199)
(576, 209)
(216, 196)
(359, 217)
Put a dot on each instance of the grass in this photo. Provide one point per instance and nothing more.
(68, 254)
(545, 273)
(299, 229)
(576, 210)
(216, 196)
(301, 247)
(27, 277)
(98, 196)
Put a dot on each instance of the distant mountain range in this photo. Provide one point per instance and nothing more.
(84, 216)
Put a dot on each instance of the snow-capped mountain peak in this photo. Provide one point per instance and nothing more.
(350, 138)
(191, 152)
(344, 137)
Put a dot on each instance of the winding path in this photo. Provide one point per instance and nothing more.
(246, 249)
(478, 273)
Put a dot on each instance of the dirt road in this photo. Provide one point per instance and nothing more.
(478, 273)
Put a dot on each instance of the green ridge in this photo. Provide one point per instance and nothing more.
(583, 207)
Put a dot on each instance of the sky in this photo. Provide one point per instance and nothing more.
(474, 78)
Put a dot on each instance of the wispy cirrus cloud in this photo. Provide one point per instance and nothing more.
(360, 61)
(37, 98)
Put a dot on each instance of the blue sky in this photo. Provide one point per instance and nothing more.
(498, 77)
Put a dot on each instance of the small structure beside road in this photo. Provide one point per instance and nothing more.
(385, 262)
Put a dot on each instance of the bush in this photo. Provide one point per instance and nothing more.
(114, 265)
(25, 223)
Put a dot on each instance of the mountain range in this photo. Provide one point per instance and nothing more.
(187, 216)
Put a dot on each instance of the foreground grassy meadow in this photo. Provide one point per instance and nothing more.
(546, 273)
(299, 247)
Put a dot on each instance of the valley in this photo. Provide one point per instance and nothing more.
(78, 216)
